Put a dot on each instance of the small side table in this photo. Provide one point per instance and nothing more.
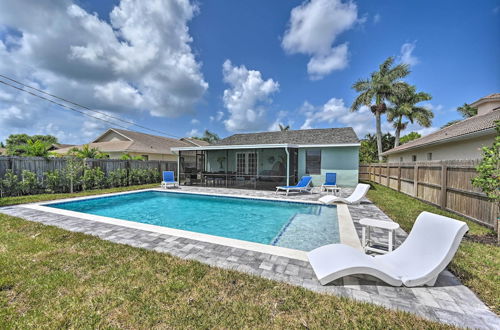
(368, 223)
(334, 189)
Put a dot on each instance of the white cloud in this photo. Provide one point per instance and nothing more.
(218, 116)
(376, 18)
(195, 121)
(406, 56)
(245, 98)
(336, 113)
(141, 60)
(313, 29)
(193, 132)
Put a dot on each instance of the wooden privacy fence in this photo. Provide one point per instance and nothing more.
(446, 184)
(40, 165)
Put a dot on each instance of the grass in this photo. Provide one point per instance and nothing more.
(5, 201)
(476, 264)
(52, 278)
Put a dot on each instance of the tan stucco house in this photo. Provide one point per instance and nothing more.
(117, 142)
(460, 141)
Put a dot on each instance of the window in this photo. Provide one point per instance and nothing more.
(145, 157)
(313, 161)
(414, 158)
(429, 156)
(400, 159)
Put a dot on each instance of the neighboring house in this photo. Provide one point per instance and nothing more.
(460, 141)
(3, 151)
(117, 142)
(265, 160)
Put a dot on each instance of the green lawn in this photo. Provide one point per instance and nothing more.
(476, 264)
(52, 278)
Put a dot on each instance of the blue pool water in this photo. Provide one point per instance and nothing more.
(293, 225)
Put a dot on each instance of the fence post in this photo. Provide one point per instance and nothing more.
(388, 172)
(399, 177)
(444, 185)
(415, 180)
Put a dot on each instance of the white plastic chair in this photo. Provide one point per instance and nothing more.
(425, 253)
(355, 198)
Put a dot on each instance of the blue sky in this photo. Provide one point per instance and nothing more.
(237, 66)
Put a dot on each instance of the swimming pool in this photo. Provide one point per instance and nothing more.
(300, 226)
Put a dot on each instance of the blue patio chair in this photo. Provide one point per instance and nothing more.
(330, 182)
(168, 180)
(303, 185)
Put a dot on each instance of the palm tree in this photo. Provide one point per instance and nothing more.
(208, 136)
(380, 87)
(405, 106)
(284, 128)
(36, 148)
(87, 152)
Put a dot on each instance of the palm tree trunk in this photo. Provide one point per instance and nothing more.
(398, 132)
(379, 135)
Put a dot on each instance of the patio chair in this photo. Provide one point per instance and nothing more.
(330, 181)
(303, 185)
(424, 254)
(168, 180)
(355, 198)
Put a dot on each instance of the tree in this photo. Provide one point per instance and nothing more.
(208, 136)
(368, 152)
(380, 87)
(405, 106)
(36, 148)
(129, 157)
(15, 142)
(409, 137)
(284, 128)
(87, 152)
(466, 111)
(73, 170)
(488, 178)
(2, 145)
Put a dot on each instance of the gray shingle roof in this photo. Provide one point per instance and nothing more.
(342, 135)
(470, 125)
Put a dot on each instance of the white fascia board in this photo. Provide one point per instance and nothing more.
(225, 147)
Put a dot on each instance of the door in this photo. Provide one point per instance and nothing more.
(246, 163)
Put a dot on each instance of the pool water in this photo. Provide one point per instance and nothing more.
(293, 225)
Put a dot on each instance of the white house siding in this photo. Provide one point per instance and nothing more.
(458, 150)
(341, 160)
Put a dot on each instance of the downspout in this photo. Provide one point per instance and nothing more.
(287, 166)
(179, 167)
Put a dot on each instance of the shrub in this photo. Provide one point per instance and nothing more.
(55, 182)
(29, 183)
(118, 178)
(93, 178)
(9, 185)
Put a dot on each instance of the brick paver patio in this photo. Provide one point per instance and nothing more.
(448, 302)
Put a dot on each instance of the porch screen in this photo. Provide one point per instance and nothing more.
(246, 163)
(313, 161)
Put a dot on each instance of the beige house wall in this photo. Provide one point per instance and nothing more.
(170, 158)
(487, 107)
(458, 150)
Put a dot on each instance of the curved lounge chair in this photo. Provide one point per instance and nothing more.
(425, 253)
(355, 198)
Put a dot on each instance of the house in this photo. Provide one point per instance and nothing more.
(3, 151)
(460, 141)
(265, 160)
(117, 142)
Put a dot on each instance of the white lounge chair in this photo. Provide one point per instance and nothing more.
(355, 198)
(425, 253)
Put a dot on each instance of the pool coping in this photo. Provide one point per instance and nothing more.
(347, 230)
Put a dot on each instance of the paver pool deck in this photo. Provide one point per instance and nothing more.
(448, 301)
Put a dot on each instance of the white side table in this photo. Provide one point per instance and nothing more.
(334, 189)
(368, 223)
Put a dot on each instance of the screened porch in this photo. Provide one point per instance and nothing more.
(238, 167)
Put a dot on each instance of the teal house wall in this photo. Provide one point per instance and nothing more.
(341, 160)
